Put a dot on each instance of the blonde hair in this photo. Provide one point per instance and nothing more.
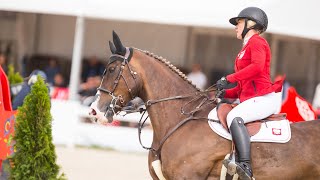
(250, 23)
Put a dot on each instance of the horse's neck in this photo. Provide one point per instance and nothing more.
(159, 82)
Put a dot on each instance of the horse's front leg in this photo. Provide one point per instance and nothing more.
(173, 171)
(188, 168)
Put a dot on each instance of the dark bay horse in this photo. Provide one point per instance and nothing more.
(193, 151)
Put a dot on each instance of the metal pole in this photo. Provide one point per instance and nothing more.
(274, 59)
(76, 58)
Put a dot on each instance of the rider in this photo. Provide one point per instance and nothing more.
(26, 88)
(254, 88)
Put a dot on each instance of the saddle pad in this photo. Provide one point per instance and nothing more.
(271, 131)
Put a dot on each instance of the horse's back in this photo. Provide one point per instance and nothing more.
(296, 159)
(305, 130)
(304, 124)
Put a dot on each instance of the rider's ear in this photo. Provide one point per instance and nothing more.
(120, 49)
(112, 47)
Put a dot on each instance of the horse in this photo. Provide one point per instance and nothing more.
(182, 138)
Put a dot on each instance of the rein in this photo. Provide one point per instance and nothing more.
(204, 102)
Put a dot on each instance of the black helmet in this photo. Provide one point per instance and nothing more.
(255, 14)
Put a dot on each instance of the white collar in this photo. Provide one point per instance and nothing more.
(246, 39)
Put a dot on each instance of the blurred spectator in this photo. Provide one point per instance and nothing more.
(92, 69)
(3, 63)
(26, 88)
(198, 77)
(59, 80)
(51, 70)
(88, 89)
(59, 89)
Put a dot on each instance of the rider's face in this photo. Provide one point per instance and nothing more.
(239, 28)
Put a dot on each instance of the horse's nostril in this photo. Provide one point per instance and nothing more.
(93, 112)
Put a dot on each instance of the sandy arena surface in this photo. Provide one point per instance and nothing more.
(95, 164)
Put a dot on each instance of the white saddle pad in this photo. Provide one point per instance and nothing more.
(271, 131)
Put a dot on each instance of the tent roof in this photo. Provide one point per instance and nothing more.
(289, 17)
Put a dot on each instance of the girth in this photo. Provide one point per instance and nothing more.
(254, 126)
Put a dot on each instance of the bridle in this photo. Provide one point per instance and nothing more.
(118, 98)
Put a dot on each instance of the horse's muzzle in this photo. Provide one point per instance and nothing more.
(97, 116)
(109, 115)
(93, 114)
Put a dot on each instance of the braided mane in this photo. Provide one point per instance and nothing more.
(170, 65)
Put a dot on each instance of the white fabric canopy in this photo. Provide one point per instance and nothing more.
(289, 17)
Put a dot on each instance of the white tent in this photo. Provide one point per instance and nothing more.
(289, 17)
(292, 17)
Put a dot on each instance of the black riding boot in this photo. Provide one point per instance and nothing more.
(241, 140)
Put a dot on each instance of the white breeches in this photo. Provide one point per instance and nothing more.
(255, 108)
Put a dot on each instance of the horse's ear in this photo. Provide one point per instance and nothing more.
(120, 49)
(112, 47)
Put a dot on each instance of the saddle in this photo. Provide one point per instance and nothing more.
(252, 127)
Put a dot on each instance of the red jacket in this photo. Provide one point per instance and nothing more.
(252, 71)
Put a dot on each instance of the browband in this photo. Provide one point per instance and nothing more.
(127, 56)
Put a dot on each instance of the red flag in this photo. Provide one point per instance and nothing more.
(297, 108)
(7, 118)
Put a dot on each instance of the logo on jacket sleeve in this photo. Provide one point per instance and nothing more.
(241, 54)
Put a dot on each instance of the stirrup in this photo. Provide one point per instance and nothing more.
(244, 171)
(231, 166)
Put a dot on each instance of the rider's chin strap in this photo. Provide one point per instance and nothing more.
(245, 29)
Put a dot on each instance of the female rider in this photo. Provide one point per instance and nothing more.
(254, 88)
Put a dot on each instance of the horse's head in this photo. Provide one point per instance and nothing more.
(120, 83)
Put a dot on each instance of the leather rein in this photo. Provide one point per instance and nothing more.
(198, 95)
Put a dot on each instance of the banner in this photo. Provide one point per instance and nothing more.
(297, 108)
(7, 118)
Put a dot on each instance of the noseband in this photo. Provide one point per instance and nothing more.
(114, 101)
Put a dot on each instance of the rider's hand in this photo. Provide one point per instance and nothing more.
(222, 83)
(220, 93)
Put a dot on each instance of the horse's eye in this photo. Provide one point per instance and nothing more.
(111, 69)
